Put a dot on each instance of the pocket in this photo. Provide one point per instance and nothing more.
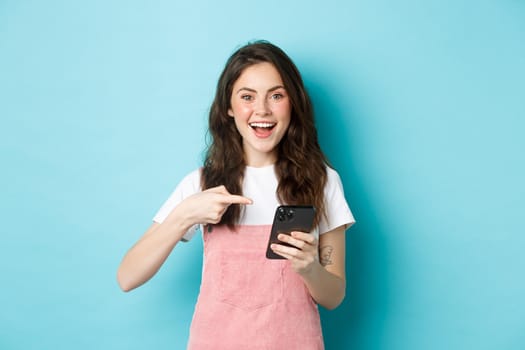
(250, 282)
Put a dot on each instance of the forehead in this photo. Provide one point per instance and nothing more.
(259, 76)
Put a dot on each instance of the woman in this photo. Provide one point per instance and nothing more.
(263, 152)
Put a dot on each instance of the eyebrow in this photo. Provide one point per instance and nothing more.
(252, 90)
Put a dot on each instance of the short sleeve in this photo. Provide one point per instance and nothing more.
(338, 212)
(187, 187)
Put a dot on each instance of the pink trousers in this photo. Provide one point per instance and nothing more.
(249, 302)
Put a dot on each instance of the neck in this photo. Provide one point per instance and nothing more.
(260, 161)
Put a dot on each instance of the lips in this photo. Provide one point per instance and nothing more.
(262, 125)
(262, 129)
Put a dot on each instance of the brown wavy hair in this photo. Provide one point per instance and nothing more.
(301, 164)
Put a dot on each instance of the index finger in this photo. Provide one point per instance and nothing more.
(236, 199)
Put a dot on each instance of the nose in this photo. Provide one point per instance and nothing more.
(261, 107)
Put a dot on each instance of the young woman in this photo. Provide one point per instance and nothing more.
(263, 152)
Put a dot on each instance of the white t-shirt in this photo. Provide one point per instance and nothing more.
(260, 185)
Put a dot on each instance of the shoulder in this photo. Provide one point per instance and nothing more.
(331, 173)
(333, 180)
(337, 209)
(188, 186)
(194, 175)
(192, 180)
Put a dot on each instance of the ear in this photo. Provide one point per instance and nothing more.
(230, 112)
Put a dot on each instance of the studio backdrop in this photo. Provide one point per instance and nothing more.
(420, 106)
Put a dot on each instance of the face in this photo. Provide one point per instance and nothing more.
(261, 108)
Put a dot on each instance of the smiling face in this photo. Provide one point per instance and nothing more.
(262, 111)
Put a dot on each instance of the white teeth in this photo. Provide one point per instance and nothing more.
(262, 125)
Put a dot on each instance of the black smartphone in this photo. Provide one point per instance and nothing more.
(289, 218)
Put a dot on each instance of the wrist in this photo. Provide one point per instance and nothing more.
(312, 272)
(179, 219)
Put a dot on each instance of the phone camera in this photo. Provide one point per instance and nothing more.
(290, 213)
(281, 216)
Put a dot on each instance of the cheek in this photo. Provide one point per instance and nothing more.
(283, 110)
(240, 110)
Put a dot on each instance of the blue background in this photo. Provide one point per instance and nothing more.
(420, 107)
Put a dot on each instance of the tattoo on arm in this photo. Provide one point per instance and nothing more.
(326, 255)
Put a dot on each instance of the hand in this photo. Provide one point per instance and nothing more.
(304, 252)
(208, 207)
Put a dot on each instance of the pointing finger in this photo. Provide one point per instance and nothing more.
(218, 189)
(235, 199)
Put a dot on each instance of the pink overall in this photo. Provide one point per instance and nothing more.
(248, 302)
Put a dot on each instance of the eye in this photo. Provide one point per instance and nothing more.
(247, 97)
(277, 96)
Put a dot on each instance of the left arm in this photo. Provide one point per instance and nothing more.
(320, 263)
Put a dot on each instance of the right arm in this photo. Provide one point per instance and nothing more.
(146, 257)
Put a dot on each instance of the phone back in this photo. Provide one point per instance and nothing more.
(289, 218)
